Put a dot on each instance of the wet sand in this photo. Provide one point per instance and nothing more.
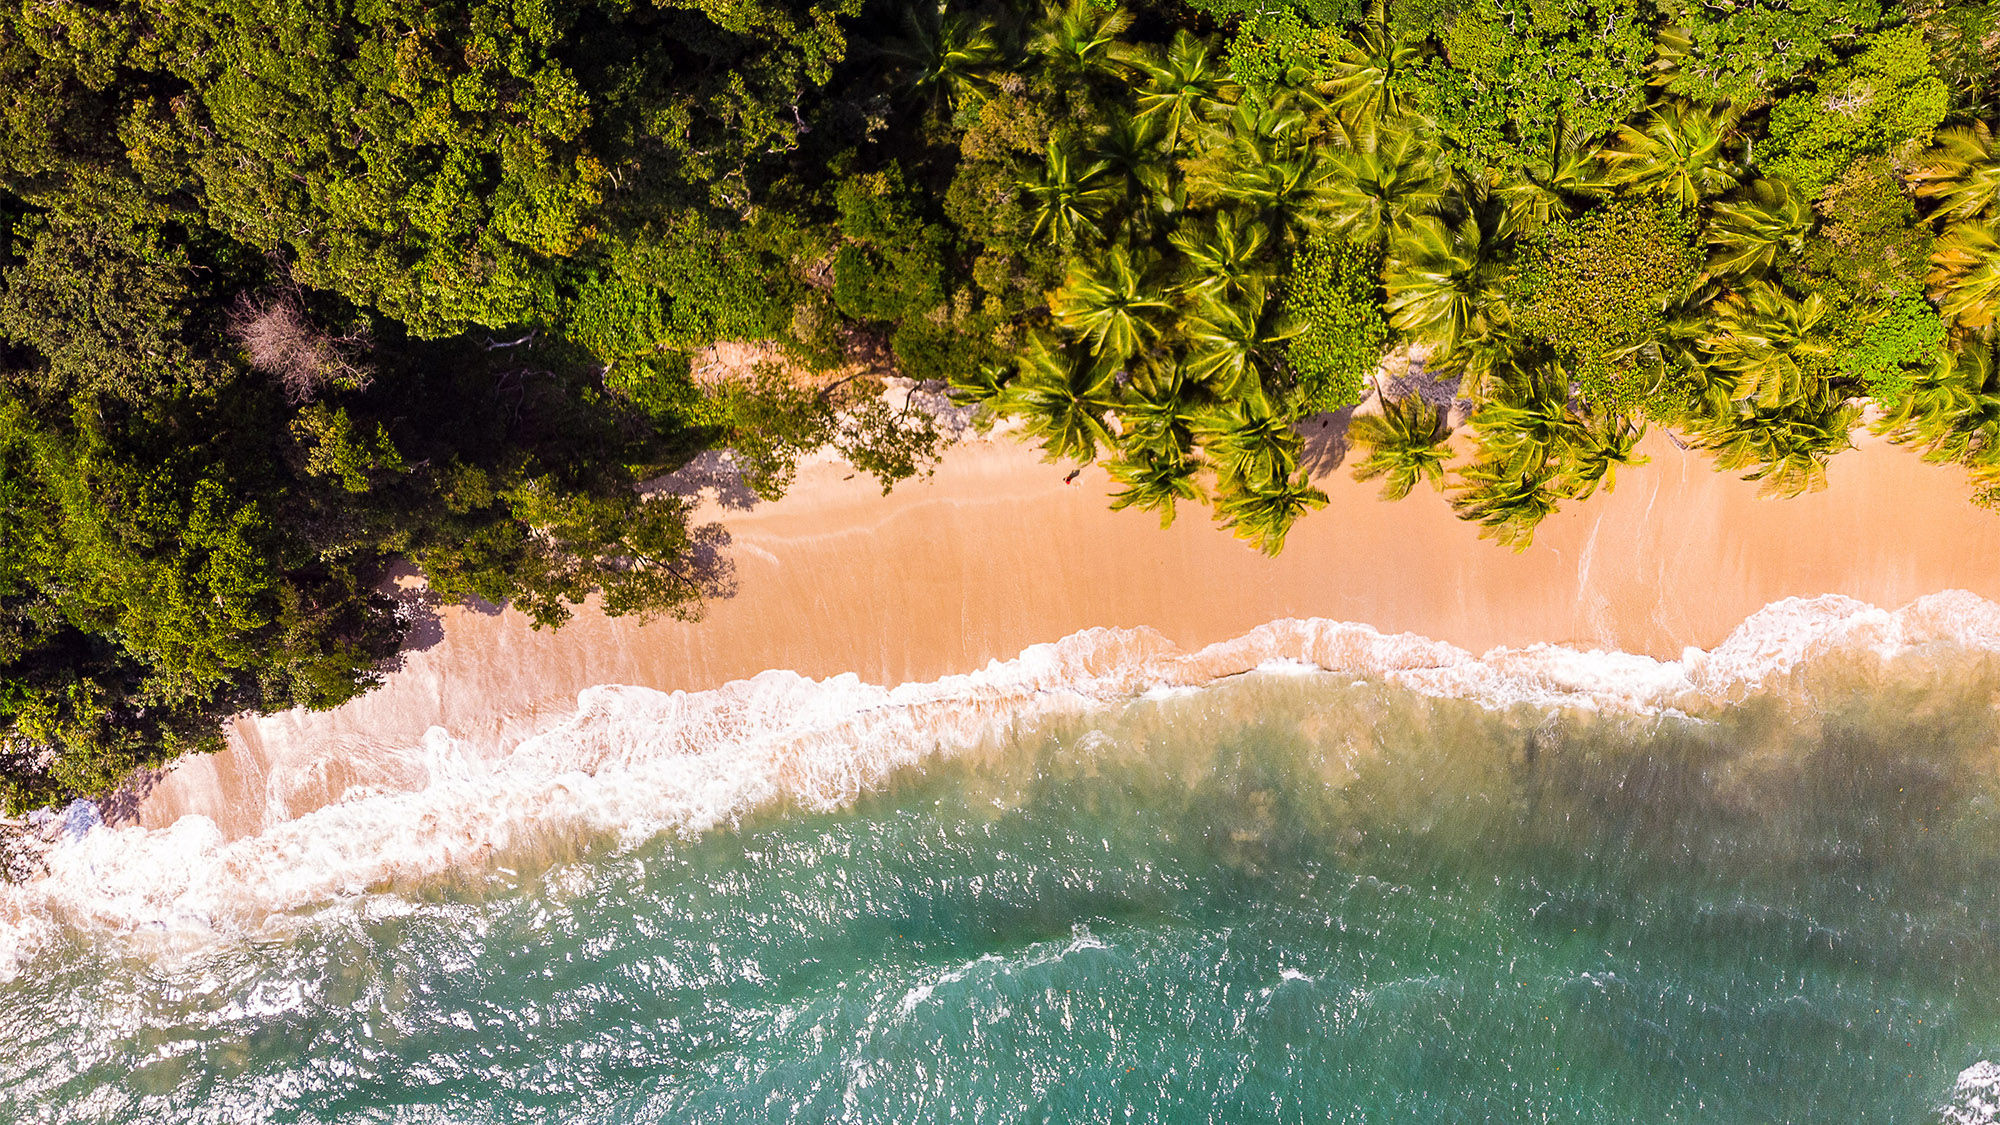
(995, 553)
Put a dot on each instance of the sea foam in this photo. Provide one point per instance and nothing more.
(632, 763)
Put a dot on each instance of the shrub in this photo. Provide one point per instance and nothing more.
(1330, 291)
(1910, 335)
(1888, 98)
(1597, 287)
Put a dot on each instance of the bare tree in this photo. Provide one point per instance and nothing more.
(280, 339)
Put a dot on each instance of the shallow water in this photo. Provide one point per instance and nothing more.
(1282, 897)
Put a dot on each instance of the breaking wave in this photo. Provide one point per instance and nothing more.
(632, 764)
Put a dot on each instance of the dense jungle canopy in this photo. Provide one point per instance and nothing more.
(294, 292)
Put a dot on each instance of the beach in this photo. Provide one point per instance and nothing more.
(982, 794)
(995, 552)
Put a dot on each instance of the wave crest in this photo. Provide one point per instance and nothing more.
(633, 763)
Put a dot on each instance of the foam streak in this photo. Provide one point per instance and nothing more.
(634, 763)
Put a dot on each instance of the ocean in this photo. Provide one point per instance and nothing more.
(1316, 874)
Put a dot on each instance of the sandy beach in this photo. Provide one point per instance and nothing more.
(995, 552)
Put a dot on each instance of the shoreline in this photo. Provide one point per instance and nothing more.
(995, 553)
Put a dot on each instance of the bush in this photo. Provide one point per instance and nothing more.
(1910, 335)
(1330, 290)
(1888, 99)
(1597, 287)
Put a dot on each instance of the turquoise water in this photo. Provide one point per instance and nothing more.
(1281, 899)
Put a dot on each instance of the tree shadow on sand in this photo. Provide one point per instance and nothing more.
(1323, 443)
(715, 472)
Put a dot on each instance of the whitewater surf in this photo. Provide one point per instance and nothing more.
(1314, 873)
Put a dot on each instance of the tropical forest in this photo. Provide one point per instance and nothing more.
(301, 297)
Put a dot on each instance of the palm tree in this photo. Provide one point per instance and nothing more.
(1750, 235)
(1965, 274)
(1155, 482)
(1595, 454)
(1483, 360)
(1229, 343)
(1541, 189)
(1226, 258)
(1771, 342)
(1405, 443)
(1952, 409)
(1263, 510)
(946, 52)
(1507, 506)
(1078, 41)
(1187, 76)
(1128, 153)
(1258, 129)
(982, 384)
(1525, 425)
(1260, 156)
(1787, 447)
(1063, 401)
(1359, 86)
(1381, 187)
(1677, 356)
(1672, 48)
(1535, 450)
(1962, 173)
(1248, 441)
(1683, 152)
(1161, 410)
(1291, 190)
(1442, 284)
(1067, 196)
(1112, 306)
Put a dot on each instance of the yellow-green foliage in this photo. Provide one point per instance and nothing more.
(1330, 291)
(1597, 287)
(1910, 335)
(1889, 99)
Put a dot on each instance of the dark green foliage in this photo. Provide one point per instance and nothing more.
(891, 264)
(1317, 11)
(1740, 53)
(1512, 74)
(1870, 247)
(108, 308)
(1967, 53)
(191, 532)
(892, 267)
